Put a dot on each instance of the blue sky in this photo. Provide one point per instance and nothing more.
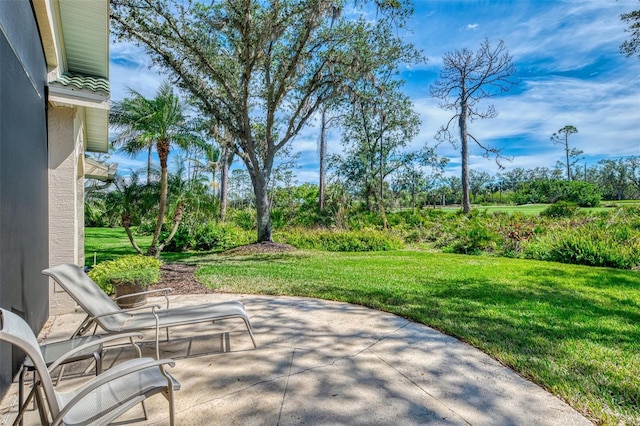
(567, 58)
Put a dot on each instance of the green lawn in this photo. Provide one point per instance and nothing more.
(109, 243)
(573, 329)
(529, 209)
(534, 209)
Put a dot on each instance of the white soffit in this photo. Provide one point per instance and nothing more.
(97, 127)
(85, 28)
(85, 35)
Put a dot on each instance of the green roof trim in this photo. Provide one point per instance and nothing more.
(81, 81)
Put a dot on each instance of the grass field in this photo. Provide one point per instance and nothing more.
(573, 329)
(109, 243)
(534, 209)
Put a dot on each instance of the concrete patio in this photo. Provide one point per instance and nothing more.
(321, 362)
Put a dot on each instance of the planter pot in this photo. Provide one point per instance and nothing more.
(129, 288)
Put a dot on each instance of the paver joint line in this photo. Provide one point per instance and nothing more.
(286, 386)
(421, 388)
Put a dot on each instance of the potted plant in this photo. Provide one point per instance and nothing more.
(127, 275)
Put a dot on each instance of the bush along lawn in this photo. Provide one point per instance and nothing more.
(561, 232)
(575, 330)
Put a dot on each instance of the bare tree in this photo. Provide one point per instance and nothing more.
(465, 79)
(561, 137)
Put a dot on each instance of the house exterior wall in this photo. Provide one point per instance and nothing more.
(23, 175)
(66, 197)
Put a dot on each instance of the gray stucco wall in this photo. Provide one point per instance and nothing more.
(23, 174)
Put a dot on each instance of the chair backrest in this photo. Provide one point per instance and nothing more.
(87, 294)
(16, 331)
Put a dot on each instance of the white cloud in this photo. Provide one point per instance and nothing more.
(131, 68)
(566, 53)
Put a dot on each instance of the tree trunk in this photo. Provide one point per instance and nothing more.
(177, 218)
(413, 197)
(261, 192)
(224, 182)
(464, 147)
(566, 144)
(126, 223)
(149, 158)
(323, 151)
(162, 147)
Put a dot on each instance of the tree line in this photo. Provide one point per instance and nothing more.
(257, 73)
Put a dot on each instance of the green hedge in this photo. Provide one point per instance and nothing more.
(134, 268)
(328, 240)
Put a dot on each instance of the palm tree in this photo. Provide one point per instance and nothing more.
(218, 158)
(147, 122)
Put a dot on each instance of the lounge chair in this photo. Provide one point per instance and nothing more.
(102, 311)
(102, 399)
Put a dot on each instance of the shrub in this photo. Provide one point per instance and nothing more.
(222, 236)
(245, 219)
(209, 236)
(343, 241)
(135, 268)
(584, 249)
(473, 238)
(516, 232)
(182, 240)
(550, 191)
(560, 209)
(364, 220)
(606, 239)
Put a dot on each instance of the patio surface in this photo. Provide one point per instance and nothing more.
(324, 363)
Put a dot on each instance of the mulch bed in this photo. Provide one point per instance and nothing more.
(180, 276)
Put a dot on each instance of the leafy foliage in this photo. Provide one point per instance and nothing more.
(572, 155)
(631, 46)
(146, 122)
(611, 239)
(550, 191)
(138, 269)
(263, 69)
(560, 209)
(351, 241)
(210, 236)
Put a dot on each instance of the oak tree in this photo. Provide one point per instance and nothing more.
(271, 63)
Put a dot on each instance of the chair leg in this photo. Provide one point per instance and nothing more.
(98, 357)
(21, 392)
(172, 412)
(144, 410)
(59, 375)
(41, 406)
(246, 322)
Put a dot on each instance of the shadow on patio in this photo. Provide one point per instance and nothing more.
(321, 362)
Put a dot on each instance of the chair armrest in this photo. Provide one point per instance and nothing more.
(153, 308)
(84, 346)
(160, 290)
(124, 311)
(114, 373)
